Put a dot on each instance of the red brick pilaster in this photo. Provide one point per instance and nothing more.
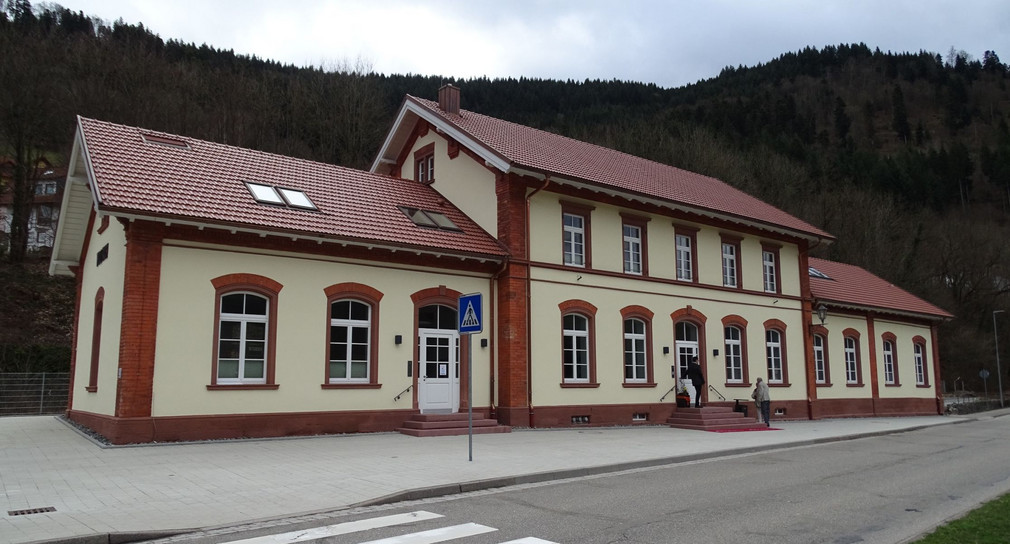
(512, 340)
(807, 316)
(142, 279)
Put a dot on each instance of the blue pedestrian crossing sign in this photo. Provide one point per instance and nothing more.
(470, 314)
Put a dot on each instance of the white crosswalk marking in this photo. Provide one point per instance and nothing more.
(437, 535)
(530, 540)
(340, 528)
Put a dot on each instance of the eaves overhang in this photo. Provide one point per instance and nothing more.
(234, 228)
(863, 308)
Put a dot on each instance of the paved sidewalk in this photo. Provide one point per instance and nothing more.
(97, 491)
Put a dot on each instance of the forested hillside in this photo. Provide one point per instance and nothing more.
(904, 157)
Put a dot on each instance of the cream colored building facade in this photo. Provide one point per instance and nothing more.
(596, 291)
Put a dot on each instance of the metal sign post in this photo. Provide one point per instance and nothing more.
(471, 321)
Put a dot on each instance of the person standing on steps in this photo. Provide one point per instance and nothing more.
(697, 378)
(763, 399)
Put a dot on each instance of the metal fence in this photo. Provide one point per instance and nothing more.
(33, 393)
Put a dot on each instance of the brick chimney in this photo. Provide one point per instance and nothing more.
(448, 98)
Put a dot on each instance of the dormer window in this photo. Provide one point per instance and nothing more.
(280, 196)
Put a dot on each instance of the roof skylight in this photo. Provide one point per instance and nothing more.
(430, 219)
(814, 273)
(296, 198)
(281, 196)
(162, 140)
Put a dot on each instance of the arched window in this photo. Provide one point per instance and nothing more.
(919, 354)
(635, 358)
(686, 345)
(734, 354)
(773, 351)
(852, 360)
(820, 360)
(96, 341)
(350, 341)
(889, 349)
(575, 348)
(242, 338)
(245, 317)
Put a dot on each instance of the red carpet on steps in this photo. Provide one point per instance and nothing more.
(743, 430)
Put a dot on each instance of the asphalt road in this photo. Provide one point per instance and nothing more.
(887, 489)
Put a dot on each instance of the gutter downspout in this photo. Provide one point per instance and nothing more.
(492, 359)
(529, 304)
(808, 336)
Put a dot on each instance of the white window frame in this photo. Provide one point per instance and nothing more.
(851, 361)
(685, 268)
(773, 355)
(734, 354)
(768, 266)
(888, 350)
(244, 320)
(574, 242)
(632, 249)
(920, 363)
(349, 324)
(686, 348)
(636, 362)
(729, 269)
(820, 368)
(575, 343)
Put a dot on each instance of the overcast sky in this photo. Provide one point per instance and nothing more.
(669, 43)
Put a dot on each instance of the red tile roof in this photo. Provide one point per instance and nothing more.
(545, 152)
(851, 285)
(205, 183)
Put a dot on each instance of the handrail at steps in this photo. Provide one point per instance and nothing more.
(716, 391)
(397, 397)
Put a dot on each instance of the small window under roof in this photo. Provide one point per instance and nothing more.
(428, 218)
(282, 196)
(814, 273)
(162, 140)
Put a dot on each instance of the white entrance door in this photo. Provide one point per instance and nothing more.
(438, 375)
(687, 349)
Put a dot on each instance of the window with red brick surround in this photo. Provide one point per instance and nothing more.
(778, 367)
(576, 234)
(638, 359)
(822, 367)
(256, 287)
(853, 358)
(685, 242)
(96, 341)
(920, 359)
(578, 344)
(735, 334)
(358, 297)
(771, 269)
(889, 349)
(633, 256)
(731, 261)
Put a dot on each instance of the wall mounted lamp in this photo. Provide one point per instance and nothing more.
(822, 312)
(483, 342)
(398, 339)
(666, 350)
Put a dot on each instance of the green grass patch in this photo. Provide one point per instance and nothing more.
(988, 524)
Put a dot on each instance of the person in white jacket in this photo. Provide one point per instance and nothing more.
(763, 400)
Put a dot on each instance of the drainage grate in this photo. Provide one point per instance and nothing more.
(30, 511)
